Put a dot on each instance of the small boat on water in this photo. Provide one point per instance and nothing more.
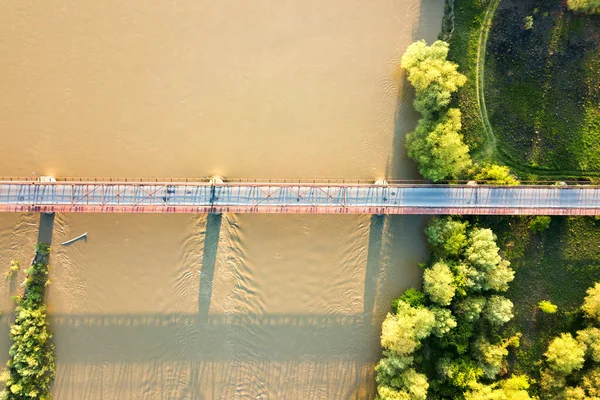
(68, 242)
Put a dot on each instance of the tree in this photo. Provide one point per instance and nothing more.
(513, 388)
(482, 251)
(590, 6)
(411, 386)
(471, 307)
(540, 223)
(412, 296)
(565, 354)
(499, 277)
(498, 310)
(496, 175)
(31, 364)
(437, 283)
(462, 372)
(432, 75)
(591, 302)
(444, 321)
(390, 367)
(402, 332)
(547, 307)
(591, 382)
(447, 235)
(590, 337)
(437, 147)
(388, 393)
(491, 357)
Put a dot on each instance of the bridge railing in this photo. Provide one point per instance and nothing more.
(286, 181)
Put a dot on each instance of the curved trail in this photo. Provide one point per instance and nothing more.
(490, 149)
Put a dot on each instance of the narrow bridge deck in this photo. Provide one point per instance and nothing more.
(317, 198)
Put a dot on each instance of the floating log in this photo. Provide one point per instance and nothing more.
(68, 242)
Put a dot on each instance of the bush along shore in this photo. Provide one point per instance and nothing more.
(30, 369)
(475, 333)
(446, 341)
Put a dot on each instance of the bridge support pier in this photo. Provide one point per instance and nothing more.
(214, 180)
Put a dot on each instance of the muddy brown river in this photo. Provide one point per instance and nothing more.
(212, 307)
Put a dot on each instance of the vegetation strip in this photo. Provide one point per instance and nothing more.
(31, 365)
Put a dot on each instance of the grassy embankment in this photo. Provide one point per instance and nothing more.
(558, 264)
(533, 102)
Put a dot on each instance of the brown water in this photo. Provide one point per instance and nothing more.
(197, 307)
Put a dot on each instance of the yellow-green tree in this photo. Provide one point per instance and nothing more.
(438, 283)
(437, 147)
(591, 303)
(591, 6)
(402, 332)
(432, 75)
(565, 354)
(496, 175)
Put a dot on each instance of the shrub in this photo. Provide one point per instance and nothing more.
(496, 175)
(547, 307)
(540, 223)
(15, 266)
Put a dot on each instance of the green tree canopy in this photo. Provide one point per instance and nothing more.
(390, 367)
(444, 321)
(499, 277)
(448, 236)
(403, 331)
(438, 148)
(470, 308)
(565, 354)
(540, 223)
(498, 310)
(432, 75)
(482, 251)
(591, 338)
(590, 6)
(496, 175)
(591, 303)
(438, 283)
(513, 388)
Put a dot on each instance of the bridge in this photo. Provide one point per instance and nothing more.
(340, 197)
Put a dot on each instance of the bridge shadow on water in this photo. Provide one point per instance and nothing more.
(209, 259)
(203, 355)
(207, 355)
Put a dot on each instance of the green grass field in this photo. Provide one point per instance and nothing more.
(542, 86)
